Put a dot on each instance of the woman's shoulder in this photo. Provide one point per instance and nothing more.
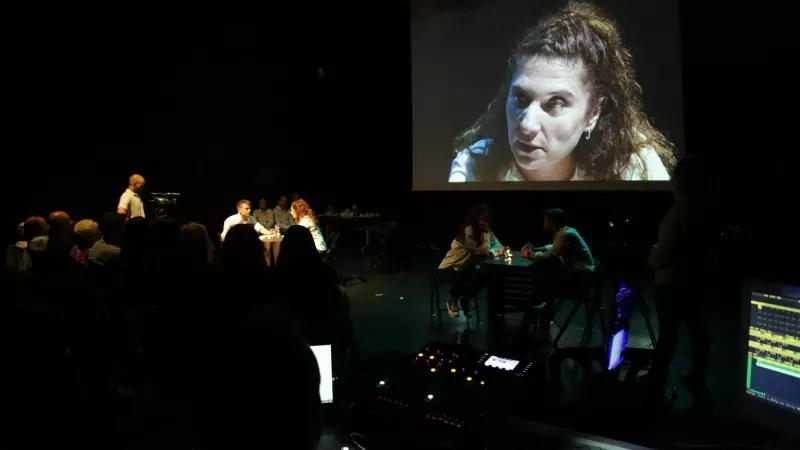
(462, 169)
(645, 165)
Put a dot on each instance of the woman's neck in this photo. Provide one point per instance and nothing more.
(562, 170)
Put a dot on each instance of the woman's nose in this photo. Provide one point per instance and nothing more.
(531, 122)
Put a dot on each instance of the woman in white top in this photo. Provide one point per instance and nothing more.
(475, 240)
(570, 111)
(303, 215)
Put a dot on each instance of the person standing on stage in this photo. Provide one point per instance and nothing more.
(264, 215)
(282, 215)
(304, 216)
(130, 203)
(242, 217)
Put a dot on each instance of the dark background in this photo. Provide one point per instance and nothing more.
(459, 61)
(226, 102)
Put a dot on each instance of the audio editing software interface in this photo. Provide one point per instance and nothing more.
(773, 359)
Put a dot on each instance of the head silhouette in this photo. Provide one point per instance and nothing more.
(297, 248)
(242, 250)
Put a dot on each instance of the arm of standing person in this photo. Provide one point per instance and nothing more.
(124, 203)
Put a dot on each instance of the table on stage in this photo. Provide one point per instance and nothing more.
(509, 285)
(272, 247)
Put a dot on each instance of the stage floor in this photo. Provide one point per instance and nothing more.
(391, 313)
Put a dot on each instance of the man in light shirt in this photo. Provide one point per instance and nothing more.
(130, 203)
(282, 214)
(242, 217)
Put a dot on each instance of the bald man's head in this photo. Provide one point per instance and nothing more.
(136, 183)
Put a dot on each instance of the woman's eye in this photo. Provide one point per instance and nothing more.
(555, 104)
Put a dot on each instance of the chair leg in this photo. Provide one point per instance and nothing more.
(591, 310)
(563, 329)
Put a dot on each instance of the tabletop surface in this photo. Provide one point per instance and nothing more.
(516, 260)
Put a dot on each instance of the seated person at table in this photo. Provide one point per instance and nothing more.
(242, 217)
(475, 240)
(264, 215)
(560, 267)
(304, 216)
(282, 215)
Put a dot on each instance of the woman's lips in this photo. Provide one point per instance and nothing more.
(529, 148)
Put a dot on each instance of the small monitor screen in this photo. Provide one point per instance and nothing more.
(773, 355)
(501, 363)
(325, 362)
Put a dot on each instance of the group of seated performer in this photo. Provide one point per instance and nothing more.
(563, 268)
(474, 241)
(301, 214)
(278, 216)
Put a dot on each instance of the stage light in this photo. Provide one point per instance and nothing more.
(430, 397)
(431, 357)
(420, 355)
(482, 383)
(453, 370)
(381, 383)
(469, 378)
(433, 369)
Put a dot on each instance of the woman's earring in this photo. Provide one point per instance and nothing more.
(589, 134)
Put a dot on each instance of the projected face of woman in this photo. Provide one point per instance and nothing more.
(549, 107)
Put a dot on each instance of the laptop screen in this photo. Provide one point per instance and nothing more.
(325, 363)
(773, 354)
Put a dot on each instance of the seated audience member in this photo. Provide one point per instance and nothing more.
(195, 249)
(54, 249)
(475, 240)
(242, 217)
(563, 268)
(17, 256)
(106, 251)
(243, 263)
(86, 233)
(283, 216)
(264, 215)
(163, 245)
(134, 244)
(261, 389)
(681, 260)
(311, 291)
(304, 216)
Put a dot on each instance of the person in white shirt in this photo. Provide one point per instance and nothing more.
(242, 217)
(264, 215)
(282, 215)
(475, 240)
(130, 203)
(303, 215)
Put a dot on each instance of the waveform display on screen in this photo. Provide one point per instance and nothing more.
(773, 365)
